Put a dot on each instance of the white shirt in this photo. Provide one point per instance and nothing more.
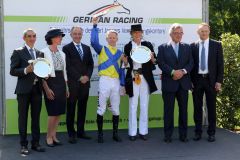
(206, 46)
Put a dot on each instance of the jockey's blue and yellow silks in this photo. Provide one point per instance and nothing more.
(108, 58)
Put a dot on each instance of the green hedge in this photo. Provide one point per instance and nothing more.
(228, 101)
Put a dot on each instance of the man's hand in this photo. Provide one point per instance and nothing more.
(124, 58)
(177, 74)
(218, 86)
(153, 59)
(122, 91)
(84, 79)
(29, 68)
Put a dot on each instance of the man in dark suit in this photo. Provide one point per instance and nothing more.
(28, 90)
(79, 65)
(207, 77)
(175, 60)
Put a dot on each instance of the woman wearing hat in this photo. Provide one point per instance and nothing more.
(139, 82)
(55, 87)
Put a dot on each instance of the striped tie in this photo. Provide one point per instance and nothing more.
(79, 51)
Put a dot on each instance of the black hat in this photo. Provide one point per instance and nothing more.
(54, 32)
(136, 27)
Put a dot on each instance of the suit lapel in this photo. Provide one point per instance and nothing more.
(75, 51)
(84, 51)
(210, 50)
(172, 51)
(38, 53)
(26, 53)
(180, 51)
(197, 54)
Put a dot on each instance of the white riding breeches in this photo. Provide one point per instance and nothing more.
(109, 88)
(142, 91)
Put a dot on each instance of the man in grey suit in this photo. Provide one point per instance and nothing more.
(175, 60)
(28, 90)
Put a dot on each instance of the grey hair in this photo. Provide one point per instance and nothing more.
(76, 27)
(27, 30)
(173, 27)
(111, 31)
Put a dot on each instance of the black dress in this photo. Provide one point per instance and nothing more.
(58, 85)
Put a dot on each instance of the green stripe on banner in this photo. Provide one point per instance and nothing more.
(155, 115)
(35, 18)
(175, 20)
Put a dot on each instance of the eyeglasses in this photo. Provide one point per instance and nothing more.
(178, 33)
(29, 36)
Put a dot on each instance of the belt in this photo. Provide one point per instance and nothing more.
(137, 71)
(204, 75)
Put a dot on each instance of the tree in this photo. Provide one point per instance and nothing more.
(228, 101)
(224, 17)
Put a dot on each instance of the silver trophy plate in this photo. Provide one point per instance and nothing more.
(141, 54)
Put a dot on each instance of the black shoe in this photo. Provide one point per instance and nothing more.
(57, 143)
(117, 138)
(143, 137)
(84, 136)
(197, 137)
(167, 140)
(132, 138)
(72, 140)
(183, 139)
(50, 144)
(211, 138)
(38, 148)
(24, 151)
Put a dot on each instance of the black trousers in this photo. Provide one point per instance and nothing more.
(32, 100)
(203, 86)
(169, 101)
(78, 95)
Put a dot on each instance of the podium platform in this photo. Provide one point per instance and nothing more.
(226, 147)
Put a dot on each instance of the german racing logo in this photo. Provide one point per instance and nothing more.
(116, 6)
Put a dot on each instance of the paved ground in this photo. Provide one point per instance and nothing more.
(226, 147)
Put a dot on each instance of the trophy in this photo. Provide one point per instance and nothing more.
(41, 67)
(141, 54)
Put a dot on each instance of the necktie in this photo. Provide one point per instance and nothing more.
(79, 51)
(203, 61)
(176, 49)
(31, 52)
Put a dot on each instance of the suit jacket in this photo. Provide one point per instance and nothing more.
(215, 62)
(168, 61)
(146, 70)
(76, 67)
(19, 61)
